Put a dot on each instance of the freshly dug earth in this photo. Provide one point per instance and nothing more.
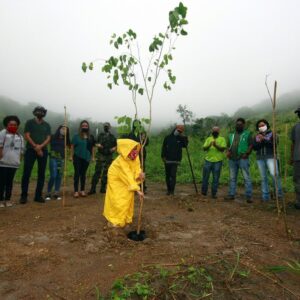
(51, 252)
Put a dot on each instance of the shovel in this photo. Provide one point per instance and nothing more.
(138, 235)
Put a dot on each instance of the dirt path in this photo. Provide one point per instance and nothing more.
(48, 252)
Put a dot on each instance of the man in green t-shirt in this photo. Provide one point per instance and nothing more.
(214, 147)
(37, 133)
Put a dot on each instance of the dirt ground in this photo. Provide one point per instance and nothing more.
(50, 252)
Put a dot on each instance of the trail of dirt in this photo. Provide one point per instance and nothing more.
(50, 252)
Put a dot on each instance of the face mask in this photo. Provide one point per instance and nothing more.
(239, 128)
(133, 154)
(85, 130)
(39, 115)
(176, 132)
(12, 129)
(262, 128)
(106, 129)
(62, 132)
(215, 134)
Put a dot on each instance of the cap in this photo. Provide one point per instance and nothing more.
(106, 124)
(180, 128)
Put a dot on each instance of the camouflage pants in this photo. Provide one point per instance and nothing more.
(101, 169)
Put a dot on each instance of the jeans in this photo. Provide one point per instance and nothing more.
(30, 157)
(296, 179)
(214, 168)
(171, 170)
(234, 166)
(6, 182)
(80, 168)
(56, 167)
(265, 165)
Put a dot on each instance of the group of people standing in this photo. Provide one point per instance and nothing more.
(84, 148)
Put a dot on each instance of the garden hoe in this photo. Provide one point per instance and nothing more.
(138, 235)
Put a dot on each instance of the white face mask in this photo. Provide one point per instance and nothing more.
(263, 128)
(176, 132)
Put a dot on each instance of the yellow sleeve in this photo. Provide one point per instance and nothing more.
(128, 176)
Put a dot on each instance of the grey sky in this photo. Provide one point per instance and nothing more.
(220, 66)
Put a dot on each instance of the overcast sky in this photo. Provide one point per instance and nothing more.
(220, 66)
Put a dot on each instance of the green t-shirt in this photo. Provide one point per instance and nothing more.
(38, 131)
(213, 154)
(81, 147)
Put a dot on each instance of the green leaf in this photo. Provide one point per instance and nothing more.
(116, 45)
(91, 66)
(170, 57)
(183, 32)
(131, 33)
(141, 91)
(149, 79)
(183, 22)
(182, 10)
(84, 67)
(119, 40)
(109, 86)
(116, 77)
(161, 35)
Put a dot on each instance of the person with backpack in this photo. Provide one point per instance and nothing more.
(56, 162)
(11, 151)
(82, 152)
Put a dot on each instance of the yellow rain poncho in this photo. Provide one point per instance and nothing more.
(122, 183)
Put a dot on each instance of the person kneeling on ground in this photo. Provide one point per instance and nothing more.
(124, 179)
(263, 145)
(214, 146)
(171, 154)
(11, 150)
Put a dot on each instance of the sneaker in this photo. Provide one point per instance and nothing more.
(249, 200)
(2, 205)
(103, 191)
(229, 197)
(23, 200)
(297, 205)
(8, 204)
(76, 195)
(214, 196)
(39, 199)
(82, 194)
(203, 194)
(91, 192)
(57, 197)
(48, 197)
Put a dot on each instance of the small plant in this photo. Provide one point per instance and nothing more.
(292, 267)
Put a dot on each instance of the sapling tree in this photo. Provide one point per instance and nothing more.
(127, 67)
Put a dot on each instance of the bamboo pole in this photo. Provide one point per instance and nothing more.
(285, 156)
(65, 160)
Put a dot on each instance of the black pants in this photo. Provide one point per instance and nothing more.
(101, 169)
(80, 168)
(171, 170)
(29, 159)
(6, 182)
(296, 178)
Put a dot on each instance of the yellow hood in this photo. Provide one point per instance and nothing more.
(124, 146)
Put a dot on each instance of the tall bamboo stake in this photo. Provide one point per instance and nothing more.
(285, 156)
(65, 160)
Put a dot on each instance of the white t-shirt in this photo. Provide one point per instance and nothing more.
(13, 147)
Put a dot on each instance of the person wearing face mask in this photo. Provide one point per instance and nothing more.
(37, 133)
(171, 154)
(295, 158)
(124, 179)
(11, 150)
(240, 147)
(82, 152)
(263, 145)
(56, 163)
(214, 146)
(106, 145)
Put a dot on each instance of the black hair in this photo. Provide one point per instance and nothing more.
(262, 120)
(57, 134)
(241, 120)
(84, 121)
(7, 119)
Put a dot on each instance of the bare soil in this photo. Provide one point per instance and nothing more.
(51, 252)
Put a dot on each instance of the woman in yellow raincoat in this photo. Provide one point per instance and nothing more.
(124, 177)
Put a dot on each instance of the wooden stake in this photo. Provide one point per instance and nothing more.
(285, 156)
(65, 161)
